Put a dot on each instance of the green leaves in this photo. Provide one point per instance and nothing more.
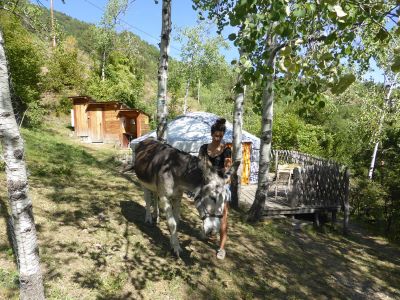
(395, 67)
(343, 83)
(382, 34)
(232, 36)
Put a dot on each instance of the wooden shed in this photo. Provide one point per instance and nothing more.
(107, 122)
(134, 124)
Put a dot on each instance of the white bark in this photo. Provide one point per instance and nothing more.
(198, 91)
(162, 108)
(186, 96)
(31, 285)
(103, 66)
(257, 207)
(381, 122)
(237, 145)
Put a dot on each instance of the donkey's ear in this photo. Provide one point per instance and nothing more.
(205, 164)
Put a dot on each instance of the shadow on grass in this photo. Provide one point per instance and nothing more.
(10, 233)
(101, 236)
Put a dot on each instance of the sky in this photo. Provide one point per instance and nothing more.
(142, 18)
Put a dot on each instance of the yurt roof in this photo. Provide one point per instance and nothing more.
(188, 132)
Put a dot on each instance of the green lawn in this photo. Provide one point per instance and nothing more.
(94, 243)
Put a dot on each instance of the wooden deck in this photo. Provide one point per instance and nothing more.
(278, 205)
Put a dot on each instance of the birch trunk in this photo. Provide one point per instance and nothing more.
(198, 91)
(256, 210)
(186, 96)
(381, 121)
(162, 108)
(236, 185)
(31, 284)
(103, 66)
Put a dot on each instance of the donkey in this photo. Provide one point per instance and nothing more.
(168, 172)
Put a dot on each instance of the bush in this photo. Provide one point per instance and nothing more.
(64, 68)
(24, 62)
(64, 105)
(367, 199)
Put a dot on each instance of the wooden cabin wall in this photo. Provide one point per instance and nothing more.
(112, 125)
(143, 125)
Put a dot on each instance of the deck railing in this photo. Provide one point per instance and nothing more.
(318, 184)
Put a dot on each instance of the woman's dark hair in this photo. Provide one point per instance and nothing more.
(219, 125)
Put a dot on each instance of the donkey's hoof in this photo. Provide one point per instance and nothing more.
(148, 219)
(177, 252)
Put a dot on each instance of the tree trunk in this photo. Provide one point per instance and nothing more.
(198, 91)
(186, 96)
(236, 178)
(381, 122)
(53, 32)
(162, 108)
(256, 210)
(31, 284)
(372, 165)
(103, 66)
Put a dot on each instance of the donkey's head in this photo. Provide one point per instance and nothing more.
(212, 197)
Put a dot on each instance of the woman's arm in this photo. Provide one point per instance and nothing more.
(228, 159)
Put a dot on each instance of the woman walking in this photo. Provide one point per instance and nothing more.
(220, 157)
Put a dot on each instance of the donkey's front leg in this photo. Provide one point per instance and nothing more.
(172, 224)
(148, 198)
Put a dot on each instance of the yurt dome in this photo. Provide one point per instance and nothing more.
(190, 131)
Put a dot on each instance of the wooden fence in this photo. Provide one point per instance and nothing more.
(318, 184)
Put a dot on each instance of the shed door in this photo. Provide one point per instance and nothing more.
(81, 123)
(96, 130)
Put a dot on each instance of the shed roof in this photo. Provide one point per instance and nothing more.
(101, 104)
(76, 99)
(131, 112)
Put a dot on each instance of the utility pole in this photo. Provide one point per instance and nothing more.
(53, 33)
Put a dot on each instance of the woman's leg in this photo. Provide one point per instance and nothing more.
(223, 232)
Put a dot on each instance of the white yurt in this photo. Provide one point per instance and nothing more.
(188, 132)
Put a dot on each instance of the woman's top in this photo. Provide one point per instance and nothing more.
(219, 160)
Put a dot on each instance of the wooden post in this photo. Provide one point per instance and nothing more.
(316, 220)
(334, 218)
(295, 191)
(53, 32)
(346, 206)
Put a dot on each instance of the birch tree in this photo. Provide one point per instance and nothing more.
(237, 153)
(388, 60)
(201, 57)
(310, 40)
(162, 107)
(30, 277)
(384, 111)
(105, 34)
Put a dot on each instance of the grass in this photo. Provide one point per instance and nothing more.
(94, 243)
